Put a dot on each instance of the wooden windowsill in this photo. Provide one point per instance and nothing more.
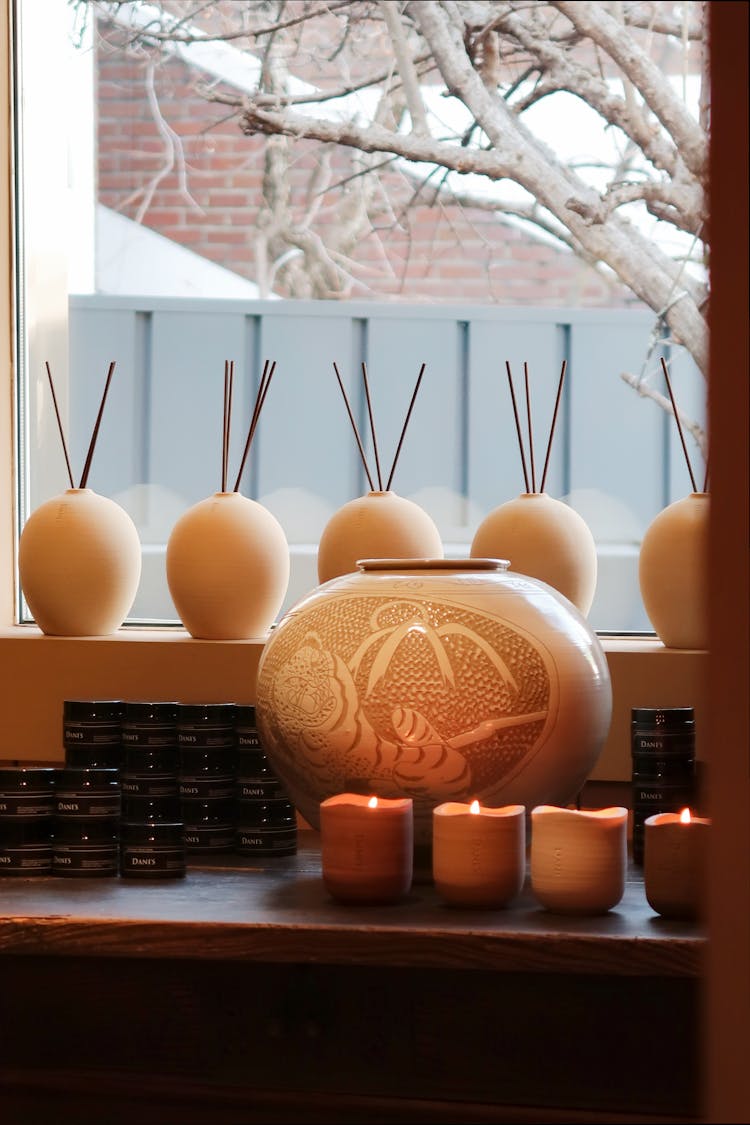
(277, 910)
(245, 993)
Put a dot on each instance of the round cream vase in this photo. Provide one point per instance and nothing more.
(79, 561)
(544, 538)
(376, 525)
(672, 572)
(435, 679)
(227, 568)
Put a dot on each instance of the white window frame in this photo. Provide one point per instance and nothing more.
(38, 672)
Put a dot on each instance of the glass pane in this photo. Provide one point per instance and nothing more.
(161, 233)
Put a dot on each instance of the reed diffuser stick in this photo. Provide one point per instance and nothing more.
(356, 431)
(60, 426)
(679, 425)
(95, 434)
(224, 428)
(554, 421)
(518, 427)
(260, 398)
(406, 423)
(372, 426)
(229, 417)
(528, 417)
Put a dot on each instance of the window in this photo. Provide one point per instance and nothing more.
(126, 448)
(143, 212)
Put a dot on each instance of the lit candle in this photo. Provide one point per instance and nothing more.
(674, 863)
(478, 853)
(578, 858)
(367, 847)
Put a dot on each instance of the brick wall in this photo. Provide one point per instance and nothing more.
(433, 253)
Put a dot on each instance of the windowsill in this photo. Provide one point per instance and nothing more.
(39, 672)
(232, 914)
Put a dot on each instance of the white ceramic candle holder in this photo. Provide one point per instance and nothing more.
(478, 853)
(578, 858)
(367, 847)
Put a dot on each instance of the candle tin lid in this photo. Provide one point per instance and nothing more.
(146, 808)
(102, 780)
(87, 830)
(155, 832)
(27, 779)
(142, 711)
(209, 713)
(93, 710)
(663, 718)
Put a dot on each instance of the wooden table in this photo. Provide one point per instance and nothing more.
(243, 993)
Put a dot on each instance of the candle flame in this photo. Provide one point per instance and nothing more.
(474, 807)
(372, 803)
(685, 817)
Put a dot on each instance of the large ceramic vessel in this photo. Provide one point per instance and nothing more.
(79, 560)
(439, 680)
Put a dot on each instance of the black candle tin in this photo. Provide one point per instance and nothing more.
(207, 772)
(27, 791)
(145, 809)
(266, 828)
(246, 732)
(26, 846)
(209, 825)
(92, 732)
(85, 846)
(152, 851)
(149, 725)
(663, 753)
(205, 725)
(90, 793)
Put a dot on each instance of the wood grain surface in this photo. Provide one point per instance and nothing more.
(278, 910)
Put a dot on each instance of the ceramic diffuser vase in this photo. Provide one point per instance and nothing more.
(546, 539)
(79, 554)
(673, 562)
(79, 559)
(541, 536)
(379, 524)
(228, 556)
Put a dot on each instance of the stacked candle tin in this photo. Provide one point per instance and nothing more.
(26, 819)
(266, 818)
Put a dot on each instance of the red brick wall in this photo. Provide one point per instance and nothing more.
(436, 253)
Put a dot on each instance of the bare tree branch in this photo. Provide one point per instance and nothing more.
(594, 21)
(471, 75)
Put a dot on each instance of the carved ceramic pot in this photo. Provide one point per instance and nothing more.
(439, 680)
